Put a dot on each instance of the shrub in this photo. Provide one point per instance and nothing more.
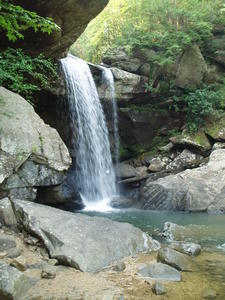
(25, 75)
(200, 104)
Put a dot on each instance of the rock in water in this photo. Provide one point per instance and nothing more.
(158, 288)
(159, 271)
(80, 241)
(175, 259)
(191, 249)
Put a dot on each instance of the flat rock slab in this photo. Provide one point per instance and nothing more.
(13, 283)
(161, 272)
(80, 241)
(175, 259)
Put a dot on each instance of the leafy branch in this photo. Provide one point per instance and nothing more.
(14, 20)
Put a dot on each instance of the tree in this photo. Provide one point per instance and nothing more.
(167, 26)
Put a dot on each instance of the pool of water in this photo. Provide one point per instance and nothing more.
(208, 230)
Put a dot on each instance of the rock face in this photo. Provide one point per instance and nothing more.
(80, 241)
(127, 85)
(32, 153)
(120, 59)
(72, 16)
(191, 69)
(192, 190)
(138, 128)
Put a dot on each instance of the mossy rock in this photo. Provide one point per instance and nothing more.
(216, 130)
(198, 142)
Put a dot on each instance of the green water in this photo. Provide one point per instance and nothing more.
(208, 230)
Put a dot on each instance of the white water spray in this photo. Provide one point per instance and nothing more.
(95, 178)
(108, 79)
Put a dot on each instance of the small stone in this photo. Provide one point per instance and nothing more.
(13, 253)
(19, 263)
(119, 267)
(209, 294)
(31, 241)
(167, 148)
(6, 243)
(159, 289)
(3, 254)
(53, 262)
(48, 272)
(156, 165)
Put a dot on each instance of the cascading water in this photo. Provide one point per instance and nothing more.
(108, 79)
(95, 178)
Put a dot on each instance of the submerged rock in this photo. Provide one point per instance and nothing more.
(158, 288)
(191, 249)
(175, 259)
(80, 241)
(159, 271)
(174, 232)
(209, 294)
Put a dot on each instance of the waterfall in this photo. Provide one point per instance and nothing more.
(94, 174)
(108, 79)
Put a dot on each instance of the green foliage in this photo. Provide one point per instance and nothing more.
(168, 26)
(24, 74)
(200, 104)
(14, 20)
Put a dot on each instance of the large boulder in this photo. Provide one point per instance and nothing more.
(72, 16)
(192, 190)
(32, 154)
(80, 241)
(191, 68)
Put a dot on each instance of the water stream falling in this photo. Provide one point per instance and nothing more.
(108, 79)
(95, 178)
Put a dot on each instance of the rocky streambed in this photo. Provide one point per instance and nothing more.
(47, 253)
